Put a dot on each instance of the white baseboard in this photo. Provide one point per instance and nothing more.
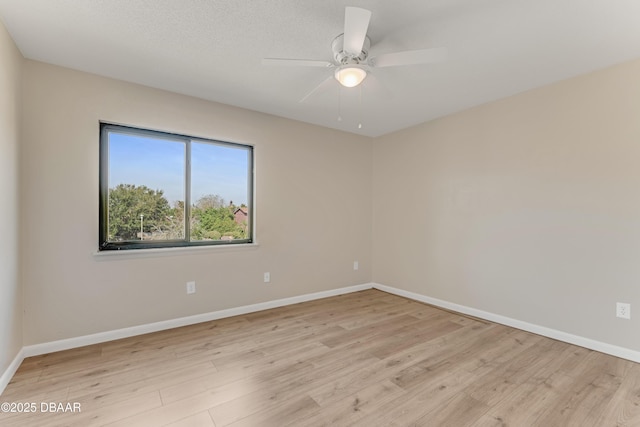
(11, 370)
(602, 347)
(66, 344)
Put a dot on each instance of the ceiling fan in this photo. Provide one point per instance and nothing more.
(351, 59)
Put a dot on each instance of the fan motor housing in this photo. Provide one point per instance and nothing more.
(342, 57)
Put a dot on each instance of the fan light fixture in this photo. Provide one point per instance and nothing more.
(351, 62)
(350, 75)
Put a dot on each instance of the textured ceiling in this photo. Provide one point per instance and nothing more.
(213, 50)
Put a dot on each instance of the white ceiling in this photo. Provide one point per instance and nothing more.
(213, 50)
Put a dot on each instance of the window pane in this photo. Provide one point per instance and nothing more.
(220, 191)
(161, 190)
(146, 188)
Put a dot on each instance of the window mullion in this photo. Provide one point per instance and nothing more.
(187, 193)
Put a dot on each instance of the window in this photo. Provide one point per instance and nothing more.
(160, 190)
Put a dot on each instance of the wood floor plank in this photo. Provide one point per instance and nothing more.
(112, 395)
(273, 416)
(624, 407)
(461, 410)
(402, 339)
(525, 405)
(363, 359)
(351, 408)
(417, 403)
(341, 387)
(262, 371)
(505, 379)
(90, 416)
(382, 327)
(201, 419)
(584, 401)
(283, 389)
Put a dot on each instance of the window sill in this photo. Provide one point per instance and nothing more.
(178, 251)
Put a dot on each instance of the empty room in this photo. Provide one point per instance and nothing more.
(304, 213)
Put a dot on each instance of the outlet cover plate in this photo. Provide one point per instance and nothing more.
(191, 287)
(623, 310)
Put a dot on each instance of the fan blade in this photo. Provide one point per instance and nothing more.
(409, 57)
(325, 83)
(356, 23)
(297, 62)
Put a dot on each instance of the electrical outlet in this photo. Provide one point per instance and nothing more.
(267, 277)
(355, 265)
(623, 310)
(191, 287)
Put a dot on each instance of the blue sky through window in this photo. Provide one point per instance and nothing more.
(160, 165)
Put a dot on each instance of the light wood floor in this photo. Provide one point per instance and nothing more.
(364, 359)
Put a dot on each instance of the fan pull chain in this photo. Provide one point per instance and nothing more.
(360, 108)
(339, 103)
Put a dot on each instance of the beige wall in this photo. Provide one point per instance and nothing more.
(10, 290)
(528, 207)
(313, 210)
